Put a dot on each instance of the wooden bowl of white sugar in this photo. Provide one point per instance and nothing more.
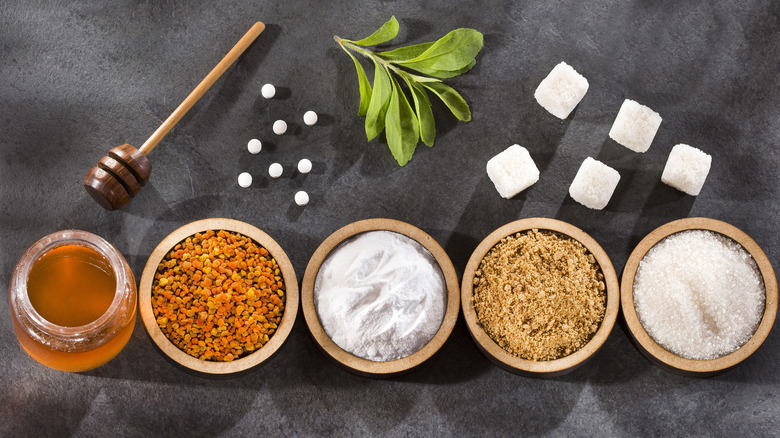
(699, 296)
(380, 297)
(540, 297)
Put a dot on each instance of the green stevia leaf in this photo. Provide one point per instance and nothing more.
(451, 98)
(380, 97)
(424, 112)
(405, 53)
(384, 34)
(443, 74)
(401, 126)
(418, 78)
(365, 86)
(386, 105)
(452, 52)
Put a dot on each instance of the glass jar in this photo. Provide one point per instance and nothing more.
(73, 348)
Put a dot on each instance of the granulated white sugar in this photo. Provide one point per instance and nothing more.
(380, 296)
(699, 294)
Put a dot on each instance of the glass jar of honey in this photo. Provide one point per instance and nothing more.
(73, 301)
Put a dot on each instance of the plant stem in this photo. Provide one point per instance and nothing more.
(346, 44)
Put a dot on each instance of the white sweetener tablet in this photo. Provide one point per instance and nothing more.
(275, 170)
(244, 179)
(254, 146)
(304, 166)
(310, 118)
(280, 127)
(301, 198)
(268, 91)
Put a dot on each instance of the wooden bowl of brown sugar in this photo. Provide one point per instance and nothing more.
(699, 296)
(218, 296)
(539, 296)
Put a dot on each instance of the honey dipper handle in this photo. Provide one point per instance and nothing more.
(201, 89)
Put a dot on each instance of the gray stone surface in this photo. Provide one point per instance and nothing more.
(80, 77)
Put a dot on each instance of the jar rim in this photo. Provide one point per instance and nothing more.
(18, 289)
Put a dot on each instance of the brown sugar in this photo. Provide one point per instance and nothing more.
(539, 295)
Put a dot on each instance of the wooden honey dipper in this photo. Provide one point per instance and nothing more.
(120, 175)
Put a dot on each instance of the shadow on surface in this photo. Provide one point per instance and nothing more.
(482, 216)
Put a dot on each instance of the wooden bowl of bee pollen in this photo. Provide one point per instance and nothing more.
(245, 362)
(358, 365)
(658, 354)
(541, 368)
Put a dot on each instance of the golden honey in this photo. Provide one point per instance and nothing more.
(73, 301)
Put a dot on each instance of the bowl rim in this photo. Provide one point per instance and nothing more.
(667, 359)
(496, 353)
(358, 365)
(207, 367)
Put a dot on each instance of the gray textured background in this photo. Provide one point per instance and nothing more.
(79, 77)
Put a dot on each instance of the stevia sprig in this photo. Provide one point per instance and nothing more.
(420, 67)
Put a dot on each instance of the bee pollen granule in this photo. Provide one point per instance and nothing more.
(539, 295)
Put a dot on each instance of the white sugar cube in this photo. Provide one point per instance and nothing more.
(635, 126)
(594, 184)
(512, 171)
(686, 169)
(561, 90)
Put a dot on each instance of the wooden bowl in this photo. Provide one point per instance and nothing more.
(671, 361)
(532, 368)
(212, 367)
(358, 365)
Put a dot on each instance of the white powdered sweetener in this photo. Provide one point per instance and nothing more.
(380, 296)
(699, 294)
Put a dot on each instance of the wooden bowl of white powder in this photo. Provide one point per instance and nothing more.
(380, 297)
(699, 296)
